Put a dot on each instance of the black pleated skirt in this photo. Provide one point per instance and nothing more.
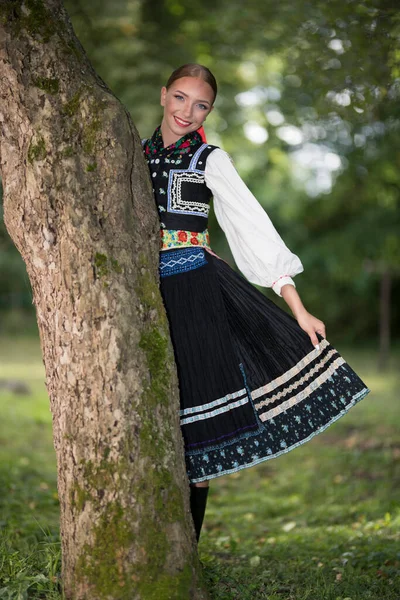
(252, 385)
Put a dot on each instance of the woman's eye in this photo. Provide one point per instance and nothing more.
(178, 96)
(203, 106)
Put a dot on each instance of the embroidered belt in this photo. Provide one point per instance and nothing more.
(181, 260)
(179, 238)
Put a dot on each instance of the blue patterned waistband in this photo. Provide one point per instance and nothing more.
(173, 262)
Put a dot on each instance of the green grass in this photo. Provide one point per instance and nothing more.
(29, 508)
(319, 523)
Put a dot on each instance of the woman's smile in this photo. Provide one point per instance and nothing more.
(181, 122)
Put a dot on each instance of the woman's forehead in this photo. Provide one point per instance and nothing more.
(193, 86)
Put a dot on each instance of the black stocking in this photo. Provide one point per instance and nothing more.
(198, 501)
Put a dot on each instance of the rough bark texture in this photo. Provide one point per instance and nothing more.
(78, 206)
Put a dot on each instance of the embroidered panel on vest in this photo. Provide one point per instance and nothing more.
(180, 191)
(183, 198)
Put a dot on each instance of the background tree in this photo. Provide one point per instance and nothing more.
(307, 107)
(77, 205)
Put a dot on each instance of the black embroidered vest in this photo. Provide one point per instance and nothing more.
(177, 173)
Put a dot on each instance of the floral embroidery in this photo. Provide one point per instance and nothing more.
(286, 275)
(155, 144)
(179, 238)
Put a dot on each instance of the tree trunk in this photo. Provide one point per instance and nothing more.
(78, 206)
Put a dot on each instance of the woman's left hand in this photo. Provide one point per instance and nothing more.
(311, 325)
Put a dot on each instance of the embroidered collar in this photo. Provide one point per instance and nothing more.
(155, 144)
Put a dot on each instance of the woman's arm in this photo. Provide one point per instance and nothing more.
(307, 322)
(259, 251)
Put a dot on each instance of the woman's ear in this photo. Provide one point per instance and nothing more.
(163, 94)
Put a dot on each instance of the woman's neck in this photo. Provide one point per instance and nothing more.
(168, 137)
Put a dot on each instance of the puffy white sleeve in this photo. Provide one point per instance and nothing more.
(259, 251)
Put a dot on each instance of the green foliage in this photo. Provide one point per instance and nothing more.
(16, 309)
(322, 83)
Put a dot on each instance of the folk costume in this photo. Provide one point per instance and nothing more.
(252, 385)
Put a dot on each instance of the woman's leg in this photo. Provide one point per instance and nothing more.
(198, 501)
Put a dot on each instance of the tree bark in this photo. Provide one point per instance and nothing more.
(79, 208)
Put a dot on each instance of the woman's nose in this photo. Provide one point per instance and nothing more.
(188, 111)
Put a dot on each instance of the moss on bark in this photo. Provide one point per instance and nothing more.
(38, 21)
(104, 265)
(37, 151)
(47, 84)
(154, 338)
(103, 564)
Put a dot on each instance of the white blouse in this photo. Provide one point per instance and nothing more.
(259, 251)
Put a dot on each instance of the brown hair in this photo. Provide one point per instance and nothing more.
(194, 70)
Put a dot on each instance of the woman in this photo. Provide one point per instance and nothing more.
(254, 381)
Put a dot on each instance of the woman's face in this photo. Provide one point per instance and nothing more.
(187, 102)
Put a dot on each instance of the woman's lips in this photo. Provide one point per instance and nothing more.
(182, 123)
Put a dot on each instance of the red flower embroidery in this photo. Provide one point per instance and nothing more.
(185, 144)
(194, 241)
(194, 233)
(182, 236)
